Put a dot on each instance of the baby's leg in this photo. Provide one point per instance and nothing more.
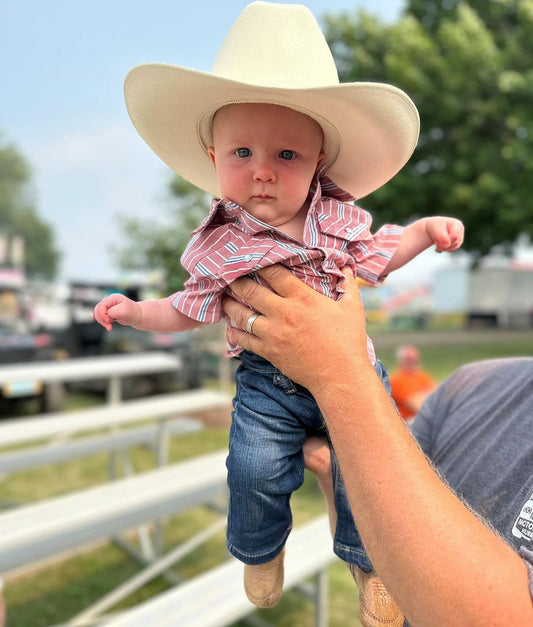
(261, 480)
(265, 466)
(317, 459)
(264, 469)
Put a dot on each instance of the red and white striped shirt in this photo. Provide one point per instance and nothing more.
(231, 243)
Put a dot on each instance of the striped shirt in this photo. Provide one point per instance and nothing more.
(231, 243)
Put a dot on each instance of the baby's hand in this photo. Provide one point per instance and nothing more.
(117, 308)
(446, 233)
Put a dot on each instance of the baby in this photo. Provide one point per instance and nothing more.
(284, 148)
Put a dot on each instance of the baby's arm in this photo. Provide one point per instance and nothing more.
(446, 233)
(146, 315)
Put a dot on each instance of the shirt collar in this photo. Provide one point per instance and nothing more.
(322, 185)
(225, 211)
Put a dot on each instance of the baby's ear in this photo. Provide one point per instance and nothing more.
(211, 152)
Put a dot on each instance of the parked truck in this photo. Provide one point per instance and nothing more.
(20, 342)
(83, 337)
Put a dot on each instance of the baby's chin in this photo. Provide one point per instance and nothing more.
(271, 213)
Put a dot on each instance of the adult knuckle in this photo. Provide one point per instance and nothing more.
(275, 271)
(249, 291)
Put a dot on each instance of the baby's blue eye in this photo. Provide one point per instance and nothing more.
(287, 154)
(243, 152)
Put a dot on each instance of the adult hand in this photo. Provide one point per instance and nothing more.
(307, 335)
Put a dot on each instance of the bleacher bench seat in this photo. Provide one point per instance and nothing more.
(217, 598)
(43, 529)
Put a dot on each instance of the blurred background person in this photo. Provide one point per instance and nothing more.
(410, 383)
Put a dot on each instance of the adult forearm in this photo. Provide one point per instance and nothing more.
(441, 564)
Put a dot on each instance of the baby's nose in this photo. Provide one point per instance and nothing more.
(264, 172)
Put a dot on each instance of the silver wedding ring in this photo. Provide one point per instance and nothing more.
(250, 323)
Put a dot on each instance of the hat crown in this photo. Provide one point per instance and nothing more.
(276, 45)
(276, 54)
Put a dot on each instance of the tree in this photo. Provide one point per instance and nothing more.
(473, 87)
(19, 218)
(160, 244)
(507, 20)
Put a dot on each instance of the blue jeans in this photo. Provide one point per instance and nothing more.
(272, 418)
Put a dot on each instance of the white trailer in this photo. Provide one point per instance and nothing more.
(500, 297)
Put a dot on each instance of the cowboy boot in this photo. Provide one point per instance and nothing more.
(376, 606)
(263, 583)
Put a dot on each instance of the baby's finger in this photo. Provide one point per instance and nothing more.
(442, 243)
(457, 235)
(107, 323)
(101, 316)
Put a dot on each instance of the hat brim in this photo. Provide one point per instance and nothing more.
(370, 129)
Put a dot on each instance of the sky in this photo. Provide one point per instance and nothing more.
(63, 64)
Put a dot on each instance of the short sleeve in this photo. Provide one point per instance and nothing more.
(373, 254)
(201, 299)
(429, 417)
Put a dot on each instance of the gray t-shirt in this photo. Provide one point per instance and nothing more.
(477, 429)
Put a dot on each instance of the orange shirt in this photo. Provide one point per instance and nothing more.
(406, 385)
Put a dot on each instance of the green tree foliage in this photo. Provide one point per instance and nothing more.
(159, 244)
(18, 215)
(468, 67)
(506, 19)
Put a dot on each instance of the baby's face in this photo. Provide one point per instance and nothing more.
(265, 158)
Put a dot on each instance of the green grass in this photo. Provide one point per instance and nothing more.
(442, 353)
(52, 595)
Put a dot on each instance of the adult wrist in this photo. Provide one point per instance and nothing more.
(345, 377)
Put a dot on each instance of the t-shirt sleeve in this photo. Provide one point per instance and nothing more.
(446, 399)
(429, 418)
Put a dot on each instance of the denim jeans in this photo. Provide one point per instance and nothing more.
(272, 417)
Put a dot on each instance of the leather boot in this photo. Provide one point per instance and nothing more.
(263, 583)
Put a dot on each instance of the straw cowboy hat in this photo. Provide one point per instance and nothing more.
(277, 54)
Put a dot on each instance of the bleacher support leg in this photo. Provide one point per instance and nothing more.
(321, 602)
